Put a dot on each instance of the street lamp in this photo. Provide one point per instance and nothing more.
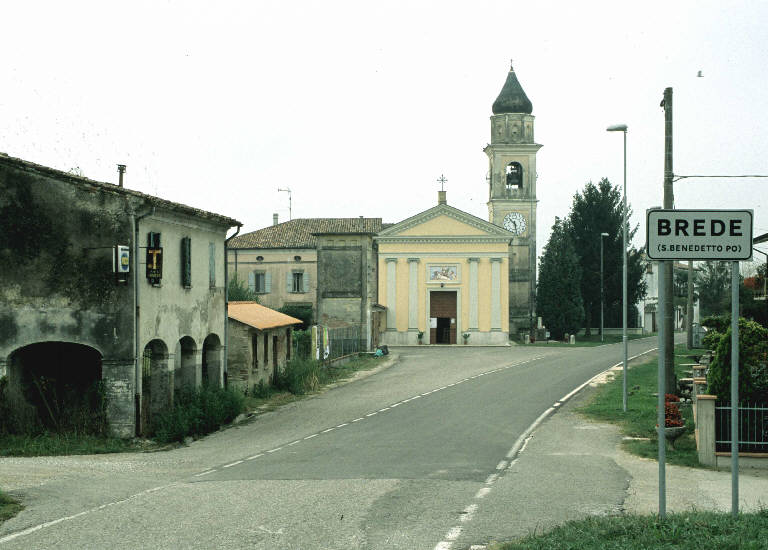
(623, 128)
(602, 294)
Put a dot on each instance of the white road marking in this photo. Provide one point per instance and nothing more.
(468, 513)
(371, 414)
(274, 450)
(501, 465)
(311, 436)
(204, 473)
(328, 430)
(453, 533)
(342, 425)
(233, 464)
(384, 409)
(444, 545)
(491, 479)
(294, 442)
(357, 419)
(482, 492)
(254, 457)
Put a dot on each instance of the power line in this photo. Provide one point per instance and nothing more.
(676, 177)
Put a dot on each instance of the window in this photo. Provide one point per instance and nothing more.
(260, 282)
(514, 176)
(297, 281)
(288, 344)
(212, 265)
(186, 262)
(255, 350)
(266, 354)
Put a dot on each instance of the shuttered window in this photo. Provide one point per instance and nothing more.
(212, 265)
(186, 262)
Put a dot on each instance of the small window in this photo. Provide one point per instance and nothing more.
(297, 258)
(514, 176)
(259, 282)
(259, 258)
(266, 354)
(298, 282)
(255, 350)
(288, 344)
(186, 262)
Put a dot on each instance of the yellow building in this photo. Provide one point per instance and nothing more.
(443, 273)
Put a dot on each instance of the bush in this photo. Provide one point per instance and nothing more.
(753, 368)
(196, 412)
(302, 376)
(302, 340)
(712, 339)
(718, 323)
(301, 312)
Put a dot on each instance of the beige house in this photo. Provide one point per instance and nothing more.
(259, 344)
(444, 273)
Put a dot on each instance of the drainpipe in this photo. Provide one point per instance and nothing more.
(137, 367)
(226, 297)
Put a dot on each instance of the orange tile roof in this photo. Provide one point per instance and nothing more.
(259, 317)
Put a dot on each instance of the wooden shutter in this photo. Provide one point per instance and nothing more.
(289, 282)
(306, 281)
(186, 262)
(267, 282)
(252, 281)
(212, 264)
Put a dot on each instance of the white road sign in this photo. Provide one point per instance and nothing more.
(699, 234)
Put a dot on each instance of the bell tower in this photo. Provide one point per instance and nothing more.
(512, 195)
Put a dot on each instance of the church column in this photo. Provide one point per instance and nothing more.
(495, 294)
(413, 294)
(473, 293)
(391, 294)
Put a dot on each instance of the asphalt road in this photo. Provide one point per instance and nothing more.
(415, 456)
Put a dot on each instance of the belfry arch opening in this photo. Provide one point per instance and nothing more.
(57, 387)
(514, 177)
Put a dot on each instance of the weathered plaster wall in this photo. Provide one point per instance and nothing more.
(244, 372)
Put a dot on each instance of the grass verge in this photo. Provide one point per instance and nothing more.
(51, 444)
(639, 422)
(8, 507)
(687, 531)
(309, 379)
(593, 340)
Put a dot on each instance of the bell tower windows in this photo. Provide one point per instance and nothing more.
(514, 177)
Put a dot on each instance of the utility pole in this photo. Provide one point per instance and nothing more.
(669, 204)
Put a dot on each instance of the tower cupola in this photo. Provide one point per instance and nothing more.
(512, 98)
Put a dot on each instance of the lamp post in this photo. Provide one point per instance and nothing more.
(602, 294)
(623, 128)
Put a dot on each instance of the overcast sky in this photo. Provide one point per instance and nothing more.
(358, 107)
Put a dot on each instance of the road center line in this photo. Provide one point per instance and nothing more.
(233, 464)
(311, 436)
(254, 456)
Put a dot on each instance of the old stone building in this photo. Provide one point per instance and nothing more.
(102, 283)
(259, 344)
(326, 263)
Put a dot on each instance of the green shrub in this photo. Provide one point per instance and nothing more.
(712, 339)
(302, 376)
(196, 412)
(718, 323)
(302, 341)
(301, 312)
(753, 356)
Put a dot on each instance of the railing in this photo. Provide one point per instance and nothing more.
(326, 343)
(753, 427)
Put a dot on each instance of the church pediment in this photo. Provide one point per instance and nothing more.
(444, 221)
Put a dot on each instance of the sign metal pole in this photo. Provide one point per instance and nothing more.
(735, 388)
(661, 401)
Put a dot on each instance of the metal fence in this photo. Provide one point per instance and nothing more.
(753, 427)
(327, 343)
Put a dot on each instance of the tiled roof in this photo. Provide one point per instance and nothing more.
(260, 317)
(300, 233)
(150, 200)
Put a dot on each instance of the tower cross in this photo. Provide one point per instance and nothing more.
(442, 181)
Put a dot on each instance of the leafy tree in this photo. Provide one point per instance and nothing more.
(558, 294)
(302, 312)
(714, 286)
(753, 364)
(238, 291)
(598, 209)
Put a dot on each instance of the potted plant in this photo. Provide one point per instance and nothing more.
(420, 336)
(466, 338)
(674, 426)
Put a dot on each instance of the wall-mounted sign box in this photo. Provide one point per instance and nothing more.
(699, 234)
(154, 265)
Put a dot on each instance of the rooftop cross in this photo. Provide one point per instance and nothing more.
(442, 181)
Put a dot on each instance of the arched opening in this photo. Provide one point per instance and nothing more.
(155, 386)
(211, 371)
(185, 364)
(56, 386)
(514, 176)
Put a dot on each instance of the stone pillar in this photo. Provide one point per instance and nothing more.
(473, 293)
(495, 294)
(705, 429)
(413, 294)
(118, 378)
(391, 294)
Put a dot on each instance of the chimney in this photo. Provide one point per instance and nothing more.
(120, 171)
(274, 219)
(441, 197)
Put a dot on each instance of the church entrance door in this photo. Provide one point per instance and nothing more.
(442, 308)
